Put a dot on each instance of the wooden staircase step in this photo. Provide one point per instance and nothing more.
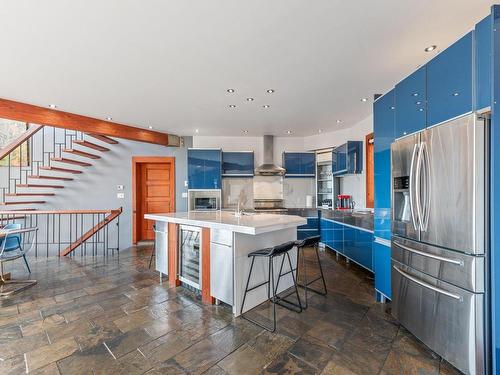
(71, 161)
(29, 194)
(81, 153)
(37, 176)
(27, 202)
(39, 186)
(62, 170)
(103, 138)
(90, 145)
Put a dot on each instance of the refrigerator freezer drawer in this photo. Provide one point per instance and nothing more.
(449, 320)
(462, 270)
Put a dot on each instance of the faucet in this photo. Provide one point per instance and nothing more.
(238, 212)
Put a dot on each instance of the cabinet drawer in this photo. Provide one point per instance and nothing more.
(446, 318)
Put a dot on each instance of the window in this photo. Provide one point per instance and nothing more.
(370, 194)
(9, 131)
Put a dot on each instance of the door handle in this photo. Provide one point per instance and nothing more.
(428, 286)
(418, 186)
(414, 217)
(428, 190)
(437, 257)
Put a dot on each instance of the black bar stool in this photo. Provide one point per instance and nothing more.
(271, 253)
(301, 246)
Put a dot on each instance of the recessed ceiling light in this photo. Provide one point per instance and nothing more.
(232, 106)
(430, 48)
(109, 118)
(249, 99)
(288, 132)
(150, 127)
(320, 131)
(230, 91)
(364, 99)
(245, 131)
(270, 91)
(196, 130)
(52, 106)
(339, 121)
(266, 106)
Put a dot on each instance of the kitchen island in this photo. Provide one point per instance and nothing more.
(208, 251)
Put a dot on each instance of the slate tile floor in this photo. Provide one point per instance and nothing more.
(111, 316)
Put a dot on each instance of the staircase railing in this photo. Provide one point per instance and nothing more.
(42, 152)
(65, 232)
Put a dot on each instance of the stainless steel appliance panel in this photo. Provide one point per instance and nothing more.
(462, 270)
(452, 192)
(447, 319)
(221, 267)
(403, 159)
(161, 247)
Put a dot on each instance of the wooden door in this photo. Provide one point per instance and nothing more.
(156, 194)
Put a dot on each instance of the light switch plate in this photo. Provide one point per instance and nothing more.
(120, 195)
(185, 184)
(119, 187)
(184, 195)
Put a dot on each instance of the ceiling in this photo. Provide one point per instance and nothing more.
(168, 64)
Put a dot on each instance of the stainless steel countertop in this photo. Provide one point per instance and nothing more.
(357, 218)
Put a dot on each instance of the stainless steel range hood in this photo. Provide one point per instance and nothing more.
(269, 168)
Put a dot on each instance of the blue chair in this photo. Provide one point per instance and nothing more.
(15, 242)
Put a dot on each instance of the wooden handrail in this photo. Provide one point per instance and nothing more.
(60, 119)
(62, 212)
(19, 140)
(113, 215)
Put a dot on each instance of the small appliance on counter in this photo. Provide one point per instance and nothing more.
(204, 200)
(344, 202)
(271, 206)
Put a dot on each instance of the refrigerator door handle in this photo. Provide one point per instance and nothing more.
(418, 184)
(428, 286)
(414, 217)
(427, 188)
(437, 257)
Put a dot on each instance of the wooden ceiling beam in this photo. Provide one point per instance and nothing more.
(29, 113)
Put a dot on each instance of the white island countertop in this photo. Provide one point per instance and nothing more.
(247, 224)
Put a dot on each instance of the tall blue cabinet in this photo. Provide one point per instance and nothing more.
(410, 101)
(384, 128)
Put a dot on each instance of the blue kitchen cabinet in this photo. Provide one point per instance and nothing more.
(384, 115)
(204, 168)
(326, 232)
(410, 103)
(449, 82)
(308, 230)
(237, 163)
(382, 268)
(338, 237)
(483, 54)
(347, 158)
(299, 164)
(358, 246)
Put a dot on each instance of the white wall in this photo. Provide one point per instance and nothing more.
(294, 190)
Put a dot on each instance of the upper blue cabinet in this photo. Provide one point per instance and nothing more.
(411, 103)
(347, 158)
(449, 82)
(483, 48)
(204, 168)
(299, 164)
(237, 164)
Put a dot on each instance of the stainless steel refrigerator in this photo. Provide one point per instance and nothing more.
(439, 243)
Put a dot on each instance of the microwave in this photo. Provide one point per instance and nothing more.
(206, 203)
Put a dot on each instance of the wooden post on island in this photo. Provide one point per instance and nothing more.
(206, 297)
(173, 254)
